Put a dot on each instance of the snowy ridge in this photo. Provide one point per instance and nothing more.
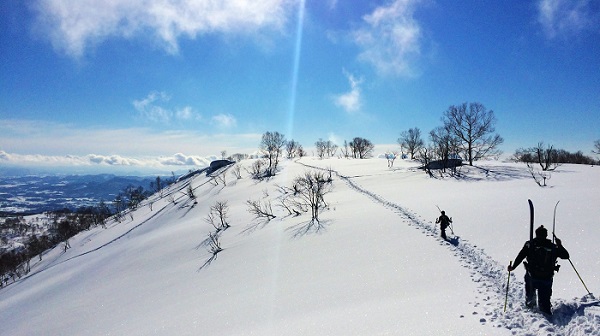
(575, 317)
(149, 274)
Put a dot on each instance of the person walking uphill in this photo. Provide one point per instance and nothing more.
(541, 255)
(444, 223)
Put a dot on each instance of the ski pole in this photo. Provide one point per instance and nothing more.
(554, 222)
(579, 276)
(575, 269)
(507, 283)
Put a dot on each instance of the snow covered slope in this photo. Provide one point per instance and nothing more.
(375, 266)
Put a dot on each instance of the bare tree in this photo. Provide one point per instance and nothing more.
(346, 150)
(293, 149)
(596, 149)
(271, 145)
(157, 185)
(321, 148)
(473, 125)
(119, 204)
(300, 151)
(310, 189)
(546, 157)
(361, 148)
(425, 159)
(411, 140)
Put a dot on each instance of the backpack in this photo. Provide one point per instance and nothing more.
(445, 221)
(541, 259)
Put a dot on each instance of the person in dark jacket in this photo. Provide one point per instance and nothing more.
(541, 255)
(444, 223)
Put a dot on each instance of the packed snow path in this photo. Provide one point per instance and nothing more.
(574, 317)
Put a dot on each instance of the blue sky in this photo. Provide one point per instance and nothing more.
(166, 84)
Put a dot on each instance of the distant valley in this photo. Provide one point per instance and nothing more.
(33, 194)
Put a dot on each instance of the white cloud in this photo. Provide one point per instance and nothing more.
(186, 113)
(391, 38)
(74, 26)
(152, 108)
(567, 17)
(113, 160)
(180, 159)
(95, 162)
(224, 120)
(149, 109)
(350, 101)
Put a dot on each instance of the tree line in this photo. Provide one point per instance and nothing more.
(468, 133)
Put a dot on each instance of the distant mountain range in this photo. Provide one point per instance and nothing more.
(32, 194)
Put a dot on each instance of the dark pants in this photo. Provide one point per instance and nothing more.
(443, 229)
(544, 292)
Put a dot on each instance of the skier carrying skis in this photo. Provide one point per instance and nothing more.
(444, 223)
(541, 256)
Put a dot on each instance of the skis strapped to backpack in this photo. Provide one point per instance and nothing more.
(542, 258)
(530, 219)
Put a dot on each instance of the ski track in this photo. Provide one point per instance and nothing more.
(574, 317)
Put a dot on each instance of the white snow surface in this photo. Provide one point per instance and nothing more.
(376, 266)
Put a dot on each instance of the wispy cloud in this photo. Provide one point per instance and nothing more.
(350, 101)
(152, 108)
(565, 18)
(224, 120)
(55, 142)
(391, 38)
(74, 26)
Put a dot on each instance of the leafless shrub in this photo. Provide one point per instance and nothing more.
(190, 192)
(256, 169)
(540, 177)
(261, 209)
(214, 245)
(217, 216)
(236, 171)
(171, 199)
(310, 189)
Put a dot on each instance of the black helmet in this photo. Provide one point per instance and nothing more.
(443, 212)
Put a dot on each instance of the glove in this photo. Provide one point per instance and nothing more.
(558, 242)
